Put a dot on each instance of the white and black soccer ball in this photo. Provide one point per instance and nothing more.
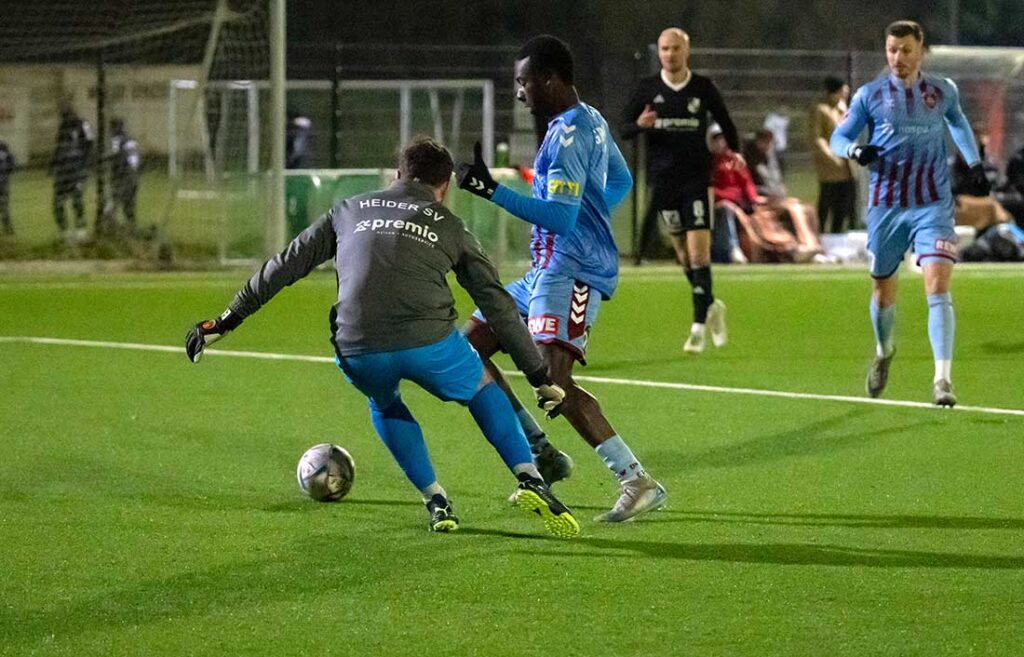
(326, 472)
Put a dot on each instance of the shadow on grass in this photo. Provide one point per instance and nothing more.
(1003, 347)
(304, 505)
(306, 570)
(829, 520)
(788, 554)
(829, 434)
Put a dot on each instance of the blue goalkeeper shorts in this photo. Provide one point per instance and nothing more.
(928, 230)
(557, 308)
(449, 369)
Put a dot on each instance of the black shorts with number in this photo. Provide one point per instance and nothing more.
(682, 209)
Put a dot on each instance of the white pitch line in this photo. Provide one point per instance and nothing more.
(665, 385)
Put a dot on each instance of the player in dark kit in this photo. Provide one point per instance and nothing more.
(70, 167)
(673, 109)
(7, 164)
(124, 171)
(394, 320)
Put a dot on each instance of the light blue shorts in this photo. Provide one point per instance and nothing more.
(929, 230)
(449, 369)
(557, 309)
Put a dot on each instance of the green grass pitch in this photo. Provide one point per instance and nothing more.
(148, 506)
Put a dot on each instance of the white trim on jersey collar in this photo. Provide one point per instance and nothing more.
(676, 86)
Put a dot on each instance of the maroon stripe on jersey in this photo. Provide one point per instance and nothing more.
(905, 182)
(878, 180)
(535, 247)
(918, 181)
(549, 250)
(931, 181)
(910, 100)
(891, 189)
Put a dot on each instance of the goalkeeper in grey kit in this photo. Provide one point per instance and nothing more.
(395, 319)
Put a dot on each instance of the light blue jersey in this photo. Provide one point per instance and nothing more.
(579, 177)
(910, 201)
(908, 125)
(572, 168)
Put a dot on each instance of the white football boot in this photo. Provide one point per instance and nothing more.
(638, 496)
(716, 323)
(695, 343)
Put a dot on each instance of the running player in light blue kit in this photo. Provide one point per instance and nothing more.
(910, 203)
(580, 176)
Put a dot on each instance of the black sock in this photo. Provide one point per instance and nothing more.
(689, 274)
(702, 296)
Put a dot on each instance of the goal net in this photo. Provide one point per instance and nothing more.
(107, 68)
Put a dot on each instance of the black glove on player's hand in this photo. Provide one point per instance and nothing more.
(476, 177)
(978, 184)
(865, 155)
(208, 332)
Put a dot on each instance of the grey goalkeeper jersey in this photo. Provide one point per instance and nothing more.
(392, 250)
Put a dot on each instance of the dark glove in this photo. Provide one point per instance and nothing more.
(208, 332)
(865, 155)
(977, 181)
(476, 177)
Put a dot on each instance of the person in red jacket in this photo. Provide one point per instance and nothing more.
(736, 195)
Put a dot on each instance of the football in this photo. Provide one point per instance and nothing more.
(326, 472)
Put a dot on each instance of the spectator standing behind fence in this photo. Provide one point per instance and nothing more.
(69, 167)
(837, 190)
(672, 108)
(296, 142)
(7, 164)
(125, 162)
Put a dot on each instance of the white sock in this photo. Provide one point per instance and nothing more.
(619, 459)
(699, 329)
(942, 370)
(529, 469)
(432, 490)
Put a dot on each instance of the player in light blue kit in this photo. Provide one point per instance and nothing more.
(580, 176)
(910, 203)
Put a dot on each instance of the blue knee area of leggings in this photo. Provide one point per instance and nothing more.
(401, 433)
(494, 415)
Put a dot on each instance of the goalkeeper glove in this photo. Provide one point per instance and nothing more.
(549, 394)
(476, 177)
(978, 184)
(208, 332)
(550, 398)
(865, 155)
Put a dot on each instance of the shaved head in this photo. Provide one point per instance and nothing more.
(674, 33)
(674, 51)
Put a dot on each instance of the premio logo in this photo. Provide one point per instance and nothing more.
(407, 228)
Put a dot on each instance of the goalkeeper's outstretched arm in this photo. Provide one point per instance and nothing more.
(311, 247)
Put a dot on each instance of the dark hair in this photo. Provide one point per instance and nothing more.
(901, 29)
(764, 133)
(427, 161)
(550, 55)
(833, 84)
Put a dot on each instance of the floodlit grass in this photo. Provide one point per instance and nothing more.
(148, 506)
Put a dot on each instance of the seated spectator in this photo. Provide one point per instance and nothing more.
(767, 176)
(978, 211)
(736, 199)
(1011, 194)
